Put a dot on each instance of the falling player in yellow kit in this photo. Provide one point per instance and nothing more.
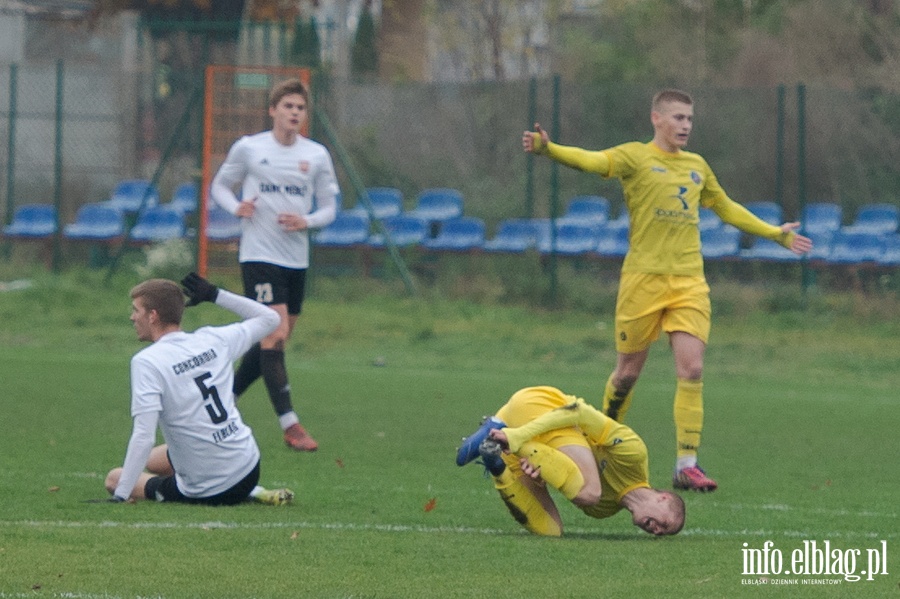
(598, 464)
(662, 286)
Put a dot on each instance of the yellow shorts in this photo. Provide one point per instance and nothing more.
(623, 467)
(527, 404)
(650, 303)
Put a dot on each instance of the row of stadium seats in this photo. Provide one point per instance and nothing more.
(433, 206)
(98, 222)
(437, 223)
(466, 234)
(107, 221)
(130, 196)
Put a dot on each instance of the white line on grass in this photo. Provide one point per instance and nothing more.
(403, 528)
(65, 595)
(780, 507)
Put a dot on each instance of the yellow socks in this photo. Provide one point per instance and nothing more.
(688, 416)
(525, 507)
(616, 404)
(557, 469)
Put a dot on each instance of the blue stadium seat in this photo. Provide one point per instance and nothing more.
(722, 242)
(571, 239)
(459, 235)
(185, 198)
(222, 226)
(820, 217)
(96, 222)
(770, 212)
(890, 255)
(32, 221)
(875, 219)
(612, 242)
(855, 248)
(386, 201)
(131, 195)
(513, 235)
(438, 204)
(587, 210)
(159, 223)
(348, 229)
(403, 230)
(708, 220)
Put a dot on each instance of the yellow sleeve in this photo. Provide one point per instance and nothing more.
(577, 158)
(734, 214)
(587, 418)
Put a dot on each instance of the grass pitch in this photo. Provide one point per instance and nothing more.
(801, 413)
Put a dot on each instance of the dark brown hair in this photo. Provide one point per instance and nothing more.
(161, 295)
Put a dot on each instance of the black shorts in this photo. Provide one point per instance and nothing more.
(272, 284)
(164, 488)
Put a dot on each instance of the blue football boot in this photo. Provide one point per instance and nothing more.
(491, 456)
(468, 451)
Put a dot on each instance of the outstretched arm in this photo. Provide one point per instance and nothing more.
(538, 142)
(734, 214)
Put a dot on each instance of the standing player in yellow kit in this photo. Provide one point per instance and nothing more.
(662, 286)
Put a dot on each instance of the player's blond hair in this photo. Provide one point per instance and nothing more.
(670, 95)
(285, 88)
(161, 295)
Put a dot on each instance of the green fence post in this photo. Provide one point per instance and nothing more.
(330, 134)
(11, 153)
(57, 164)
(554, 189)
(11, 142)
(807, 276)
(779, 148)
(180, 129)
(529, 157)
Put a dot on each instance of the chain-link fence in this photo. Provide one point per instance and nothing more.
(72, 131)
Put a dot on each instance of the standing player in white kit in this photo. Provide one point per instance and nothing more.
(288, 186)
(182, 383)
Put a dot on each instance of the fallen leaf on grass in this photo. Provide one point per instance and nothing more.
(53, 489)
(429, 505)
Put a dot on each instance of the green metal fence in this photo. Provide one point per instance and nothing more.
(73, 131)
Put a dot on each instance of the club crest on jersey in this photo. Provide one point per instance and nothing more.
(304, 166)
(695, 177)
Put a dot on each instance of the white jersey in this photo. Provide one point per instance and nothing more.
(283, 179)
(187, 378)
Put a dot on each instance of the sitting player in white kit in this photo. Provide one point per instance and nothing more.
(183, 383)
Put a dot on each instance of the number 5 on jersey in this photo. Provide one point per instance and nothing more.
(215, 409)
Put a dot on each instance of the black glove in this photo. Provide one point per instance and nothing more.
(199, 289)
